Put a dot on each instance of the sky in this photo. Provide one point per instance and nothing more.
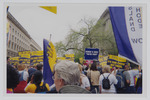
(40, 23)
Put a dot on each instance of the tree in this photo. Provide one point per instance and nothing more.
(91, 35)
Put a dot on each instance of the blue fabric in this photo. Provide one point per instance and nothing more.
(47, 73)
(139, 90)
(117, 15)
(21, 76)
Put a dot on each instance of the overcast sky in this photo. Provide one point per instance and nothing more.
(40, 23)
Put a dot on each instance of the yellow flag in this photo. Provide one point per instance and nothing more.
(52, 55)
(50, 8)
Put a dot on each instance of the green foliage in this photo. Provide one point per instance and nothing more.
(91, 35)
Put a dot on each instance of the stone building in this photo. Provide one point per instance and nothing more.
(107, 45)
(18, 38)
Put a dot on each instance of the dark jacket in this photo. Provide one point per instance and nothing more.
(73, 89)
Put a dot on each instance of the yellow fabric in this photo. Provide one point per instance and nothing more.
(51, 55)
(10, 89)
(50, 8)
(32, 87)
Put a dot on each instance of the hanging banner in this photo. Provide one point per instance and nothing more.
(127, 27)
(8, 33)
(91, 54)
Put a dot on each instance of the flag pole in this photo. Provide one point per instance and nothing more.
(50, 37)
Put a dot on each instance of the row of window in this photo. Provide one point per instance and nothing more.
(14, 46)
(18, 34)
(12, 54)
(19, 42)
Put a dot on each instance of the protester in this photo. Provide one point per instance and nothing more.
(8, 60)
(133, 72)
(139, 84)
(39, 67)
(84, 81)
(107, 81)
(94, 75)
(35, 85)
(22, 79)
(67, 77)
(31, 71)
(123, 78)
(12, 78)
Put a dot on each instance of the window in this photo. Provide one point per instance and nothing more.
(9, 44)
(13, 30)
(15, 39)
(12, 37)
(15, 47)
(12, 45)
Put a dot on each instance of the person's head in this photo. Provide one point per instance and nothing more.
(66, 73)
(80, 68)
(133, 66)
(12, 77)
(126, 67)
(106, 69)
(37, 77)
(8, 60)
(93, 67)
(21, 67)
(39, 66)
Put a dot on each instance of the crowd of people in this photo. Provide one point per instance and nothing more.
(71, 77)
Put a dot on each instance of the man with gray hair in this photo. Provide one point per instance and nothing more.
(67, 77)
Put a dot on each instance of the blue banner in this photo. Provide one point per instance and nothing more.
(47, 72)
(91, 54)
(127, 28)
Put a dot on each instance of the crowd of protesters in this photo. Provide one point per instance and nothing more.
(71, 77)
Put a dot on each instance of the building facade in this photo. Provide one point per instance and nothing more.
(107, 45)
(18, 38)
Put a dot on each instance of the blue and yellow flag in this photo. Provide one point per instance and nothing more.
(48, 61)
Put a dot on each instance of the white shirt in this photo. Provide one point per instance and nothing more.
(25, 75)
(133, 73)
(112, 80)
(85, 81)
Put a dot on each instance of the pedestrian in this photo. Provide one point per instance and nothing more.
(31, 70)
(12, 78)
(134, 71)
(22, 79)
(94, 75)
(67, 77)
(107, 81)
(84, 81)
(123, 78)
(36, 85)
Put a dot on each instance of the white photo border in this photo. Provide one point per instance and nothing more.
(145, 5)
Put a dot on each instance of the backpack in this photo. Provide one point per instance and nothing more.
(121, 80)
(41, 89)
(106, 83)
